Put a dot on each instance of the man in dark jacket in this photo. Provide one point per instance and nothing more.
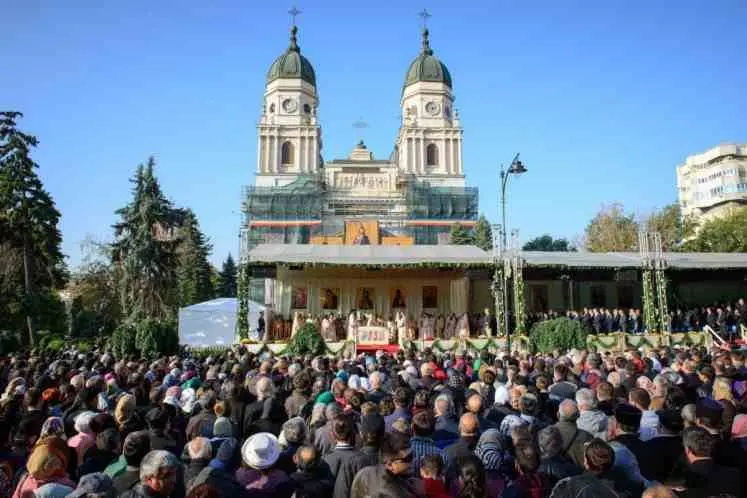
(199, 451)
(574, 439)
(704, 477)
(598, 480)
(202, 423)
(219, 472)
(392, 476)
(299, 397)
(135, 447)
(627, 423)
(465, 446)
(343, 430)
(100, 456)
(371, 435)
(157, 420)
(312, 480)
(667, 446)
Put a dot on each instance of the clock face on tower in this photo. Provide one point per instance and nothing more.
(289, 105)
(432, 108)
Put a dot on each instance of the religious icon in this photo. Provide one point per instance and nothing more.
(430, 296)
(364, 298)
(361, 239)
(299, 298)
(398, 298)
(329, 298)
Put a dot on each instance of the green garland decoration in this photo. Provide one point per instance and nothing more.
(242, 294)
(661, 292)
(519, 307)
(649, 300)
(498, 291)
(605, 341)
(638, 341)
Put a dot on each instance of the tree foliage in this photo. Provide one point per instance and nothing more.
(673, 227)
(307, 341)
(96, 307)
(483, 234)
(547, 243)
(227, 278)
(723, 234)
(145, 249)
(29, 230)
(460, 235)
(612, 230)
(562, 334)
(194, 275)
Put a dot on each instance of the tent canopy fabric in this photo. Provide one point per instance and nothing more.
(213, 323)
(373, 255)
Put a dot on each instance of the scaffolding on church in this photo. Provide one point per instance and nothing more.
(425, 202)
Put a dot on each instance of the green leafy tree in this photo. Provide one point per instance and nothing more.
(28, 228)
(561, 334)
(307, 341)
(547, 243)
(673, 227)
(145, 250)
(227, 278)
(612, 230)
(194, 276)
(483, 234)
(724, 234)
(460, 235)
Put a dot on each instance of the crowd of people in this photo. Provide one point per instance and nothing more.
(661, 423)
(723, 318)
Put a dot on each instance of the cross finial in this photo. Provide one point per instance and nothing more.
(425, 15)
(294, 12)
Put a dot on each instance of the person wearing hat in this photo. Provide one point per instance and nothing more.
(96, 485)
(709, 416)
(261, 477)
(631, 457)
(391, 477)
(667, 445)
(219, 472)
(136, 446)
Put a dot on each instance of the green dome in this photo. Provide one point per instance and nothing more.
(291, 64)
(426, 67)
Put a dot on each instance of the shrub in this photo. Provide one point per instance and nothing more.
(10, 342)
(560, 333)
(307, 341)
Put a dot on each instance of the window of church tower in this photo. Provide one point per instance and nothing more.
(306, 108)
(431, 155)
(272, 108)
(286, 153)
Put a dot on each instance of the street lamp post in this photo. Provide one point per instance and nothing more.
(515, 168)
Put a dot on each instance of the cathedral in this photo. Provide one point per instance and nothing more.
(413, 196)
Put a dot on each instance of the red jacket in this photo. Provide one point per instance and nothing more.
(435, 488)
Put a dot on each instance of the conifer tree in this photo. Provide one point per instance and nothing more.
(28, 224)
(194, 275)
(460, 236)
(483, 234)
(146, 239)
(227, 278)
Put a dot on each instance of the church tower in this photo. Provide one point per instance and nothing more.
(288, 133)
(429, 144)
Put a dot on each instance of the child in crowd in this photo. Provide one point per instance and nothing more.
(431, 469)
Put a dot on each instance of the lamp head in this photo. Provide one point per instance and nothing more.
(517, 168)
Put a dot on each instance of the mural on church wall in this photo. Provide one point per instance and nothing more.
(430, 296)
(362, 233)
(364, 298)
(299, 298)
(329, 298)
(397, 298)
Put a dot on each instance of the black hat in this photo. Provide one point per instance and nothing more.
(628, 415)
(373, 423)
(708, 408)
(671, 420)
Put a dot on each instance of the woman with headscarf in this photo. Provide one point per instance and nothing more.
(127, 417)
(47, 464)
(85, 438)
(496, 460)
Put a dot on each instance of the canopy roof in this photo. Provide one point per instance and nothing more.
(471, 256)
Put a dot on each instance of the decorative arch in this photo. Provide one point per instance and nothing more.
(431, 155)
(286, 153)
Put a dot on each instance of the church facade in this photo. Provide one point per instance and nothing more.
(413, 196)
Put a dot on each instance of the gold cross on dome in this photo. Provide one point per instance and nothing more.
(425, 15)
(294, 12)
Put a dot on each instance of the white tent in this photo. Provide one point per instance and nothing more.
(213, 323)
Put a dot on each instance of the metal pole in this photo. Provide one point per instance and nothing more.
(504, 182)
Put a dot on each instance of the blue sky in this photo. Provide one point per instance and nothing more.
(602, 99)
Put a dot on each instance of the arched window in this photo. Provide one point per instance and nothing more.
(431, 155)
(286, 153)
